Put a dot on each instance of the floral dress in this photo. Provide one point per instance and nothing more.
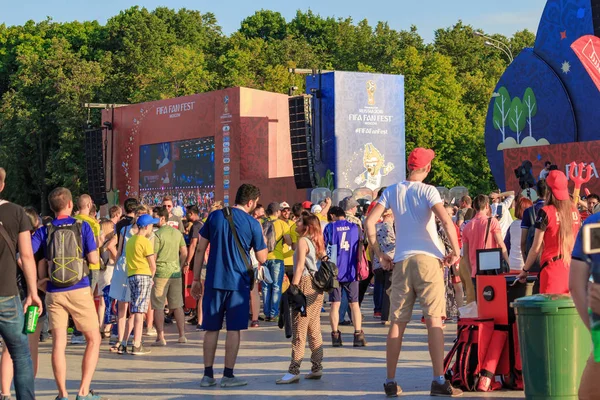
(451, 307)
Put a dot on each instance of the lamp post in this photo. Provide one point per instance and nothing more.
(497, 44)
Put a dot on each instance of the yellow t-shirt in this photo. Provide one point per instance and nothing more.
(322, 217)
(138, 248)
(96, 230)
(281, 229)
(293, 234)
(288, 252)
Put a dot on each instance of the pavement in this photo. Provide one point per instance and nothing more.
(174, 372)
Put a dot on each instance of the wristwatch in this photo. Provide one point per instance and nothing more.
(186, 264)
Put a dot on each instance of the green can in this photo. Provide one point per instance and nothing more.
(31, 319)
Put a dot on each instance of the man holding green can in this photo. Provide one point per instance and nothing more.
(15, 236)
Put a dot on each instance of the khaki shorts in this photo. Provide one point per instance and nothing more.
(590, 384)
(418, 277)
(78, 303)
(168, 289)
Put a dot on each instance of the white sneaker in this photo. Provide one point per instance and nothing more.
(77, 339)
(151, 332)
(182, 340)
(288, 378)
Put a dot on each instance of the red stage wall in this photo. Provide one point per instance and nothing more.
(560, 154)
(255, 123)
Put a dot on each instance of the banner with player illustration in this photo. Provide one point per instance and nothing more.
(359, 140)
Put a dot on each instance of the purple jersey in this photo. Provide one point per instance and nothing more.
(341, 240)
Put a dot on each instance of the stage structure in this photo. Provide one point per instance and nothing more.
(200, 148)
(549, 95)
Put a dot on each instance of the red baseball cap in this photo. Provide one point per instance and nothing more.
(307, 205)
(558, 183)
(419, 158)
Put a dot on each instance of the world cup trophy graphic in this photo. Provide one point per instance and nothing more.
(371, 87)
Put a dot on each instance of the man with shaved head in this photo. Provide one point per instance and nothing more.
(84, 206)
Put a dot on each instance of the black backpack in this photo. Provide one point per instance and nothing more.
(326, 277)
(66, 265)
(530, 236)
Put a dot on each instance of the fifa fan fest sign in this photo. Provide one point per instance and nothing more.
(358, 129)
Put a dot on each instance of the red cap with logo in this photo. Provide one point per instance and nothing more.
(307, 205)
(558, 183)
(419, 158)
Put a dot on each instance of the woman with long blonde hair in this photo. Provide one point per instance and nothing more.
(311, 248)
(556, 228)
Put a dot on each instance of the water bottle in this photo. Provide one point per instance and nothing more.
(595, 318)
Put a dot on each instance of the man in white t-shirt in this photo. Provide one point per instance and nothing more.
(501, 209)
(417, 264)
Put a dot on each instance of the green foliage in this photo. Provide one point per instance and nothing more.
(516, 119)
(49, 69)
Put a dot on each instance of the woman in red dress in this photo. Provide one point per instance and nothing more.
(554, 238)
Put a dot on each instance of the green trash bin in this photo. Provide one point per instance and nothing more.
(554, 344)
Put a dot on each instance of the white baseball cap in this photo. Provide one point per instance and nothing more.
(284, 205)
(316, 209)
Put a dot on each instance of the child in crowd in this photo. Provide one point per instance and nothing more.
(119, 287)
(141, 266)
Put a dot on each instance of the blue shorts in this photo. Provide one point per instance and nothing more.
(351, 289)
(218, 303)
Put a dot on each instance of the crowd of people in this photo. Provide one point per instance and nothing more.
(149, 266)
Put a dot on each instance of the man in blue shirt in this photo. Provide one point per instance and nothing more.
(75, 300)
(227, 285)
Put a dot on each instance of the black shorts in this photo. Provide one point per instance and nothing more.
(351, 289)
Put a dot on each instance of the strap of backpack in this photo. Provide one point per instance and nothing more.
(487, 232)
(464, 361)
(452, 352)
(6, 236)
(247, 263)
(122, 240)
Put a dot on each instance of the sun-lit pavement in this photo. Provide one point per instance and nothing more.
(174, 372)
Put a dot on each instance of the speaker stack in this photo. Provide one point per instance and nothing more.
(95, 166)
(596, 16)
(303, 157)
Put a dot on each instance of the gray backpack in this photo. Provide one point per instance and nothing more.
(64, 252)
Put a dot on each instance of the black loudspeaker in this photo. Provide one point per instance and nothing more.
(596, 16)
(303, 156)
(95, 166)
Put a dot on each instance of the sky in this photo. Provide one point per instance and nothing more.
(493, 16)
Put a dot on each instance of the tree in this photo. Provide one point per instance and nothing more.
(182, 73)
(530, 104)
(502, 105)
(264, 24)
(42, 120)
(516, 117)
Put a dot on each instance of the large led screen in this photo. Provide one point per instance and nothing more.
(184, 169)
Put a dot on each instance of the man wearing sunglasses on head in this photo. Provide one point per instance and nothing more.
(174, 220)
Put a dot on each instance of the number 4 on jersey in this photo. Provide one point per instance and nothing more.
(344, 245)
